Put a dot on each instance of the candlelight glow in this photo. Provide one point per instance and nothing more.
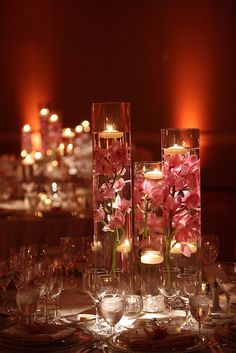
(78, 129)
(44, 111)
(53, 118)
(26, 128)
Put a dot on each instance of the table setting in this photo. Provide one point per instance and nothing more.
(146, 279)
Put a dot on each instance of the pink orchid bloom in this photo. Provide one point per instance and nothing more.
(181, 233)
(104, 193)
(103, 167)
(147, 187)
(157, 196)
(119, 154)
(116, 220)
(192, 200)
(122, 204)
(153, 242)
(185, 249)
(154, 223)
(99, 214)
(119, 184)
(171, 203)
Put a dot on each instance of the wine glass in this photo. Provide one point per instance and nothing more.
(54, 286)
(168, 286)
(27, 300)
(91, 286)
(200, 307)
(112, 307)
(186, 286)
(226, 278)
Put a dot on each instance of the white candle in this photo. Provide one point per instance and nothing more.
(153, 174)
(175, 149)
(124, 247)
(176, 249)
(151, 257)
(110, 133)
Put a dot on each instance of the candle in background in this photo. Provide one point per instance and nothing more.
(151, 257)
(96, 246)
(26, 138)
(67, 133)
(175, 149)
(27, 168)
(153, 175)
(44, 117)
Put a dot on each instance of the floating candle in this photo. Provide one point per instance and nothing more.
(96, 246)
(110, 133)
(151, 257)
(176, 247)
(175, 149)
(153, 174)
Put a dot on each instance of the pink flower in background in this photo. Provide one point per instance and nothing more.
(186, 251)
(104, 193)
(147, 187)
(154, 223)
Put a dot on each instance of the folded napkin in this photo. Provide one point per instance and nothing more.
(37, 332)
(142, 339)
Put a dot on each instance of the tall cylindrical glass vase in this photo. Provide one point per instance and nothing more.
(112, 188)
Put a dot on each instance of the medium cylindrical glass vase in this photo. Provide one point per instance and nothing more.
(181, 196)
(112, 188)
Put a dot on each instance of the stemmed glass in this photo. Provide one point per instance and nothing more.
(112, 301)
(168, 286)
(186, 286)
(54, 286)
(200, 307)
(91, 286)
(226, 278)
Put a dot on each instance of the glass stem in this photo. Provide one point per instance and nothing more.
(97, 318)
(169, 315)
(199, 327)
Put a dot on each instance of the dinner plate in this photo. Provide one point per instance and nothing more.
(80, 339)
(227, 333)
(119, 343)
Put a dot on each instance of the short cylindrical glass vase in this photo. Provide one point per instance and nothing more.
(181, 196)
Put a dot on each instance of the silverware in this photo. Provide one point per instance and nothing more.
(215, 346)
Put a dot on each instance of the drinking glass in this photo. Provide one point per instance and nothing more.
(27, 300)
(200, 307)
(186, 286)
(112, 307)
(168, 286)
(226, 278)
(91, 286)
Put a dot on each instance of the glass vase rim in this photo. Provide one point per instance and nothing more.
(180, 128)
(169, 269)
(111, 102)
(147, 162)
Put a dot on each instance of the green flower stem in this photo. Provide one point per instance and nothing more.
(116, 241)
(145, 218)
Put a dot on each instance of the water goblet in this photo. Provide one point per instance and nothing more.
(168, 286)
(91, 286)
(186, 286)
(54, 286)
(200, 307)
(226, 278)
(210, 246)
(112, 307)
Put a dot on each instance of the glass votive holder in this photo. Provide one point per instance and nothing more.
(153, 303)
(133, 304)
